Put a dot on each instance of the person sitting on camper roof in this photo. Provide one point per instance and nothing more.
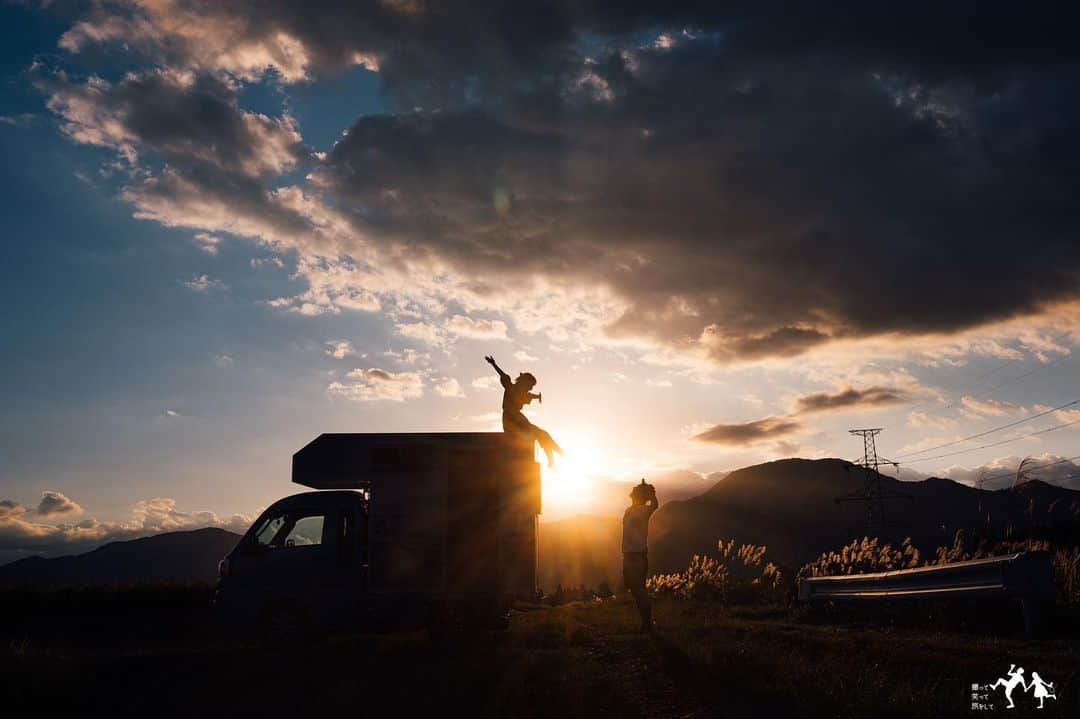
(516, 394)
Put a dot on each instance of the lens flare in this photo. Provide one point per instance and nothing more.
(570, 486)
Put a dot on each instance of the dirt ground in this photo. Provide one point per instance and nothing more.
(155, 654)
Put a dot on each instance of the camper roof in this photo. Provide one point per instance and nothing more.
(338, 461)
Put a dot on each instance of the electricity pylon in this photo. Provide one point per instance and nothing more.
(872, 492)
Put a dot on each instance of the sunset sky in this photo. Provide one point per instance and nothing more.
(718, 234)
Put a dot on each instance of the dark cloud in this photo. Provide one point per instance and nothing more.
(10, 510)
(179, 116)
(191, 156)
(56, 503)
(734, 203)
(443, 43)
(850, 398)
(765, 182)
(747, 433)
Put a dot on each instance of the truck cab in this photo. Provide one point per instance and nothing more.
(407, 529)
(303, 561)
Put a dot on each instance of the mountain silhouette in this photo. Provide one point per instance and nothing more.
(190, 556)
(787, 505)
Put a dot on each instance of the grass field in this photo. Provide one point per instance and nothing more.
(153, 652)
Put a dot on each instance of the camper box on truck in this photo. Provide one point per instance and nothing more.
(439, 525)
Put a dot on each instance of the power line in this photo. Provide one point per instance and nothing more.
(1030, 372)
(990, 431)
(977, 384)
(977, 388)
(1038, 466)
(993, 444)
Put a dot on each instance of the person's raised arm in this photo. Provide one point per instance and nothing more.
(503, 377)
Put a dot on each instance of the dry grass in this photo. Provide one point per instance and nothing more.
(739, 573)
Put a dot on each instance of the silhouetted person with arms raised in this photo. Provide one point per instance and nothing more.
(635, 548)
(516, 394)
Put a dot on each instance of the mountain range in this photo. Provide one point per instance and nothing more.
(190, 556)
(788, 505)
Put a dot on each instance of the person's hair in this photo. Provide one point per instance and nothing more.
(526, 377)
(642, 492)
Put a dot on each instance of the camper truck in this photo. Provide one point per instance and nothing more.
(436, 528)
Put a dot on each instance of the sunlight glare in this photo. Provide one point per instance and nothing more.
(569, 487)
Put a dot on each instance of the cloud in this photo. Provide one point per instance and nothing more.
(224, 361)
(55, 504)
(703, 192)
(408, 356)
(784, 449)
(20, 120)
(676, 262)
(447, 387)
(523, 356)
(10, 510)
(184, 117)
(922, 420)
(990, 407)
(410, 40)
(207, 243)
(489, 418)
(339, 349)
(422, 331)
(484, 329)
(152, 516)
(456, 326)
(748, 433)
(485, 382)
(1001, 472)
(203, 283)
(850, 399)
(372, 384)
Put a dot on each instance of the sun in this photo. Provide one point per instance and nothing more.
(570, 487)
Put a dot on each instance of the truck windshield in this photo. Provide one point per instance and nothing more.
(264, 535)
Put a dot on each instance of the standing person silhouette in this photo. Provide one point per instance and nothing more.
(635, 548)
(516, 394)
(1043, 689)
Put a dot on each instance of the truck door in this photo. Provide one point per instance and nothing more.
(350, 558)
(292, 558)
